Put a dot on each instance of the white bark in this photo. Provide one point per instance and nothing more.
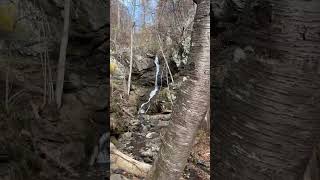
(131, 47)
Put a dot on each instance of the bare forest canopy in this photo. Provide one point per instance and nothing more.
(172, 20)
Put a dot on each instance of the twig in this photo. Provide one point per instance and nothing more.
(165, 59)
(127, 112)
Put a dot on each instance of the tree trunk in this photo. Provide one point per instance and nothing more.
(144, 4)
(118, 22)
(266, 116)
(63, 52)
(191, 105)
(131, 48)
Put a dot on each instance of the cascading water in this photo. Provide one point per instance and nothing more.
(145, 106)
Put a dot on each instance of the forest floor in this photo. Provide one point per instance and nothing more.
(140, 138)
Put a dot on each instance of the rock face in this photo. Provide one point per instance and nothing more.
(40, 23)
(143, 63)
(30, 35)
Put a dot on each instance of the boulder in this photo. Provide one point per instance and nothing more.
(141, 63)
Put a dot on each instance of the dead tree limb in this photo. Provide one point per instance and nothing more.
(165, 59)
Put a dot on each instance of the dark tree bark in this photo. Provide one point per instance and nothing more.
(191, 106)
(266, 112)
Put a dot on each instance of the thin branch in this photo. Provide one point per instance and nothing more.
(165, 59)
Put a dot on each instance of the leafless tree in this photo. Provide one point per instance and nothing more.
(192, 103)
(131, 46)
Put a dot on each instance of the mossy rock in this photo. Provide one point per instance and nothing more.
(7, 17)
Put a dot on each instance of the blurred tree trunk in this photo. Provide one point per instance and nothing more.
(63, 52)
(191, 105)
(266, 113)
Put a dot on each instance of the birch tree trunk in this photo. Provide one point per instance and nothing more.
(63, 52)
(192, 103)
(131, 47)
(266, 118)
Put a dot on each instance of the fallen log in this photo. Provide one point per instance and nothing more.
(121, 161)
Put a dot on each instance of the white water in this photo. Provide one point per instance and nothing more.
(154, 91)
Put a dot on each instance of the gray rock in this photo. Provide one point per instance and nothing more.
(163, 123)
(143, 63)
(117, 177)
(127, 135)
(144, 129)
(152, 135)
(147, 153)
